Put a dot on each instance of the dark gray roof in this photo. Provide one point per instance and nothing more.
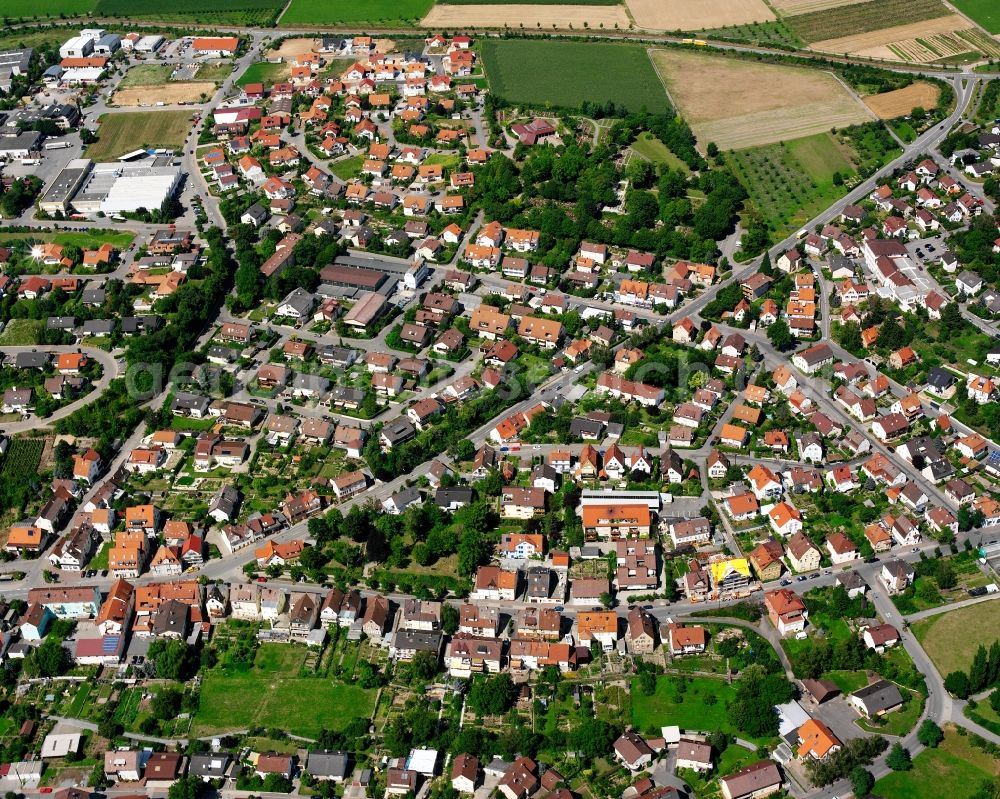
(94, 327)
(328, 764)
(31, 360)
(940, 378)
(210, 765)
(446, 496)
(879, 696)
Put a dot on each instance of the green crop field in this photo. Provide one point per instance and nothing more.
(46, 8)
(267, 696)
(565, 74)
(204, 12)
(790, 182)
(985, 12)
(858, 18)
(951, 638)
(384, 13)
(124, 132)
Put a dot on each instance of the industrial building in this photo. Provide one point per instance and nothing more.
(84, 187)
(12, 64)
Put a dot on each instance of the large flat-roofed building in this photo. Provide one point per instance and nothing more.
(354, 277)
(20, 146)
(149, 44)
(77, 47)
(60, 192)
(88, 188)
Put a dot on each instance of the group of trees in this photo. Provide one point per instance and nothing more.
(192, 306)
(757, 693)
(174, 659)
(983, 673)
(493, 695)
(422, 532)
(18, 196)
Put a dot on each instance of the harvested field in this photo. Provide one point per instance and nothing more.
(696, 15)
(293, 47)
(861, 18)
(739, 104)
(880, 43)
(791, 7)
(900, 102)
(167, 93)
(450, 17)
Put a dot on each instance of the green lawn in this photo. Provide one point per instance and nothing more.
(564, 74)
(649, 713)
(122, 133)
(90, 239)
(847, 681)
(985, 12)
(146, 75)
(447, 160)
(951, 639)
(100, 561)
(21, 332)
(381, 13)
(263, 72)
(954, 769)
(214, 72)
(984, 714)
(272, 695)
(820, 155)
(652, 149)
(347, 168)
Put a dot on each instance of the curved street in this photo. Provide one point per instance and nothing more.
(109, 371)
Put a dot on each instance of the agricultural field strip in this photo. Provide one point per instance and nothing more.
(873, 15)
(876, 43)
(526, 16)
(684, 15)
